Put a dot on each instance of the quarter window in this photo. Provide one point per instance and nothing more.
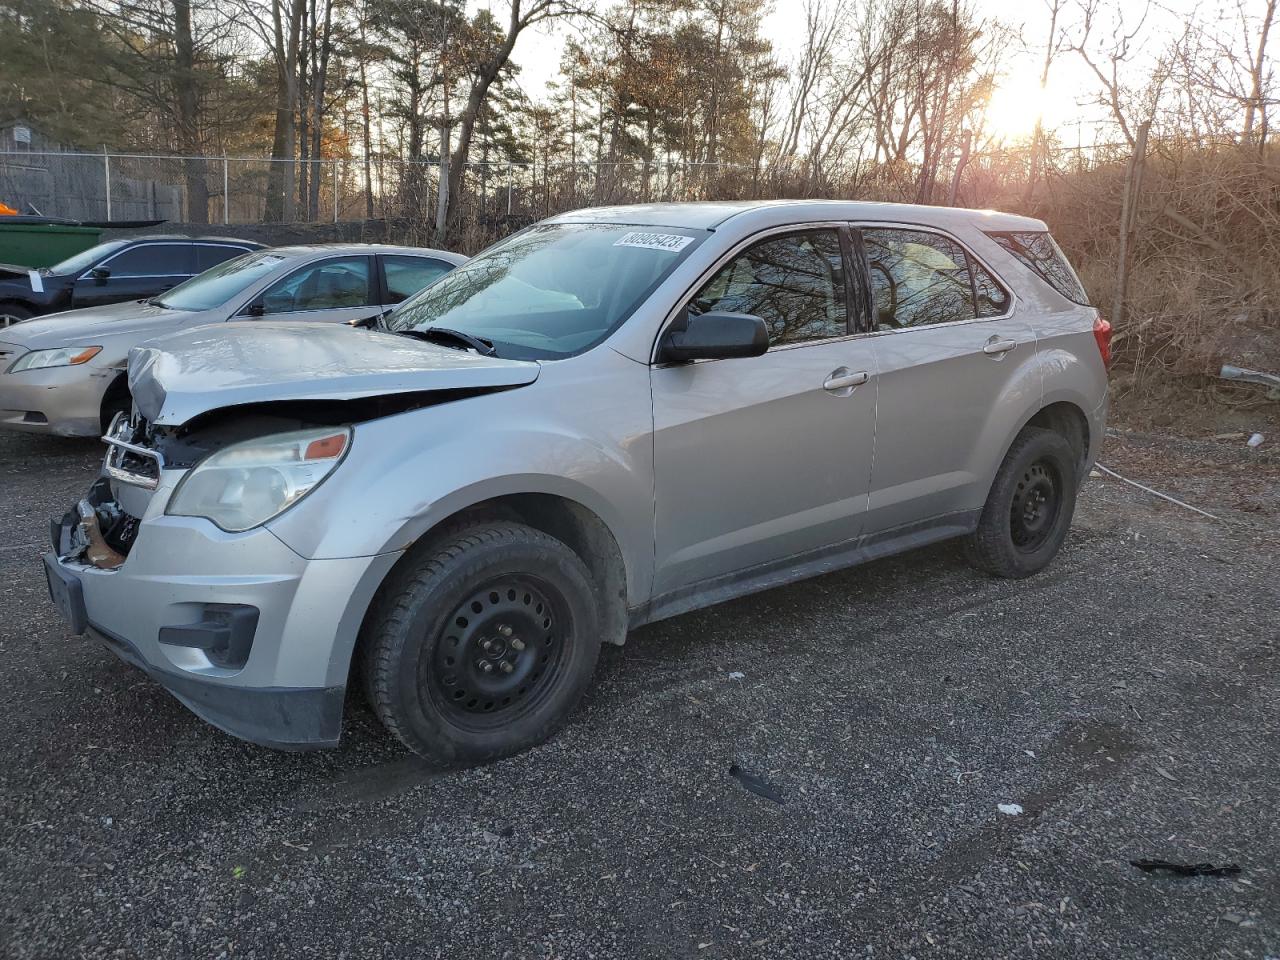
(919, 278)
(152, 260)
(795, 283)
(1037, 250)
(407, 275)
(328, 285)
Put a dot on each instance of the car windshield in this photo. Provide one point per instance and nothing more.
(86, 258)
(551, 291)
(219, 284)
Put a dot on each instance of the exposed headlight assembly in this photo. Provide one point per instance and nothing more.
(60, 357)
(245, 485)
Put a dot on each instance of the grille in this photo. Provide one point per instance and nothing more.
(129, 459)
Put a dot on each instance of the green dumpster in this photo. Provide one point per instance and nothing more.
(37, 244)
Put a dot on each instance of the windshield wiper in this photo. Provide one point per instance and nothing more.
(157, 302)
(483, 347)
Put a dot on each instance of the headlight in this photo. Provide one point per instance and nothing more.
(247, 484)
(61, 357)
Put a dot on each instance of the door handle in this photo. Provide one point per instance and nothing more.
(997, 347)
(841, 379)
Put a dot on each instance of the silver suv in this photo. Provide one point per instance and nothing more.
(612, 417)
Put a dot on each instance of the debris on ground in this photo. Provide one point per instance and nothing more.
(1010, 809)
(735, 675)
(1163, 496)
(1187, 869)
(756, 785)
(1256, 440)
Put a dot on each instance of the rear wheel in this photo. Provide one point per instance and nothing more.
(11, 313)
(1029, 509)
(484, 647)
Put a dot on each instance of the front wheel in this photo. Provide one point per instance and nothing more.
(11, 313)
(1029, 508)
(484, 646)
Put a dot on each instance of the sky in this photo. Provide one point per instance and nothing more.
(1065, 103)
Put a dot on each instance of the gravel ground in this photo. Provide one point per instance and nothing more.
(1126, 699)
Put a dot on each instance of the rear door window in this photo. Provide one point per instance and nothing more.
(1036, 250)
(795, 283)
(920, 278)
(917, 278)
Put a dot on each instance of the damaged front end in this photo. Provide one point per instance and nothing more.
(98, 530)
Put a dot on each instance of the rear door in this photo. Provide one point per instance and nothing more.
(135, 273)
(333, 290)
(767, 460)
(949, 348)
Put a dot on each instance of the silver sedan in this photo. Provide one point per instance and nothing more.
(65, 374)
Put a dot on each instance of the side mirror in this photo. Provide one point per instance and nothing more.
(715, 336)
(366, 323)
(255, 309)
(101, 274)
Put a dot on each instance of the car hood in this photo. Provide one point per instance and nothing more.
(179, 377)
(83, 326)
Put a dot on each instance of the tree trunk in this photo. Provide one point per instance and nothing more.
(320, 73)
(188, 114)
(282, 176)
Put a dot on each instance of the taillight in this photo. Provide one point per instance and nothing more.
(1102, 334)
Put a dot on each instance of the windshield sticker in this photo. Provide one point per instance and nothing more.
(671, 242)
(37, 282)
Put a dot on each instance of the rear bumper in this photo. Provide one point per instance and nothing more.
(61, 401)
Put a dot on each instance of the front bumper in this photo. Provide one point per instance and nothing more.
(62, 401)
(160, 610)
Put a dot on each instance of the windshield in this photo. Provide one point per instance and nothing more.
(86, 258)
(219, 284)
(551, 291)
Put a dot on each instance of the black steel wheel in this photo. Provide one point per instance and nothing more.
(482, 643)
(1037, 499)
(1028, 511)
(499, 653)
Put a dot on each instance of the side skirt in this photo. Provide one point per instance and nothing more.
(777, 573)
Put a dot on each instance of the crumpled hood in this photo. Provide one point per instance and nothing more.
(91, 324)
(178, 377)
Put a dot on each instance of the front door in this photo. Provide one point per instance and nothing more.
(949, 347)
(136, 273)
(766, 459)
(335, 290)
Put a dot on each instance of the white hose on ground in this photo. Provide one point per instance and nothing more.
(1157, 493)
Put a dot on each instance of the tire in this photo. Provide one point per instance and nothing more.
(495, 593)
(1028, 511)
(11, 313)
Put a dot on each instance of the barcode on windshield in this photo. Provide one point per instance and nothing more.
(671, 242)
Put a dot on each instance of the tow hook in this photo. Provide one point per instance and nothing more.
(98, 553)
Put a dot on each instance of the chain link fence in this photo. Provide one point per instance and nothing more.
(239, 190)
(494, 195)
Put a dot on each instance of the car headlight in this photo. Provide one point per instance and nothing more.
(245, 485)
(60, 357)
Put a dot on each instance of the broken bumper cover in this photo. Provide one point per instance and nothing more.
(250, 636)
